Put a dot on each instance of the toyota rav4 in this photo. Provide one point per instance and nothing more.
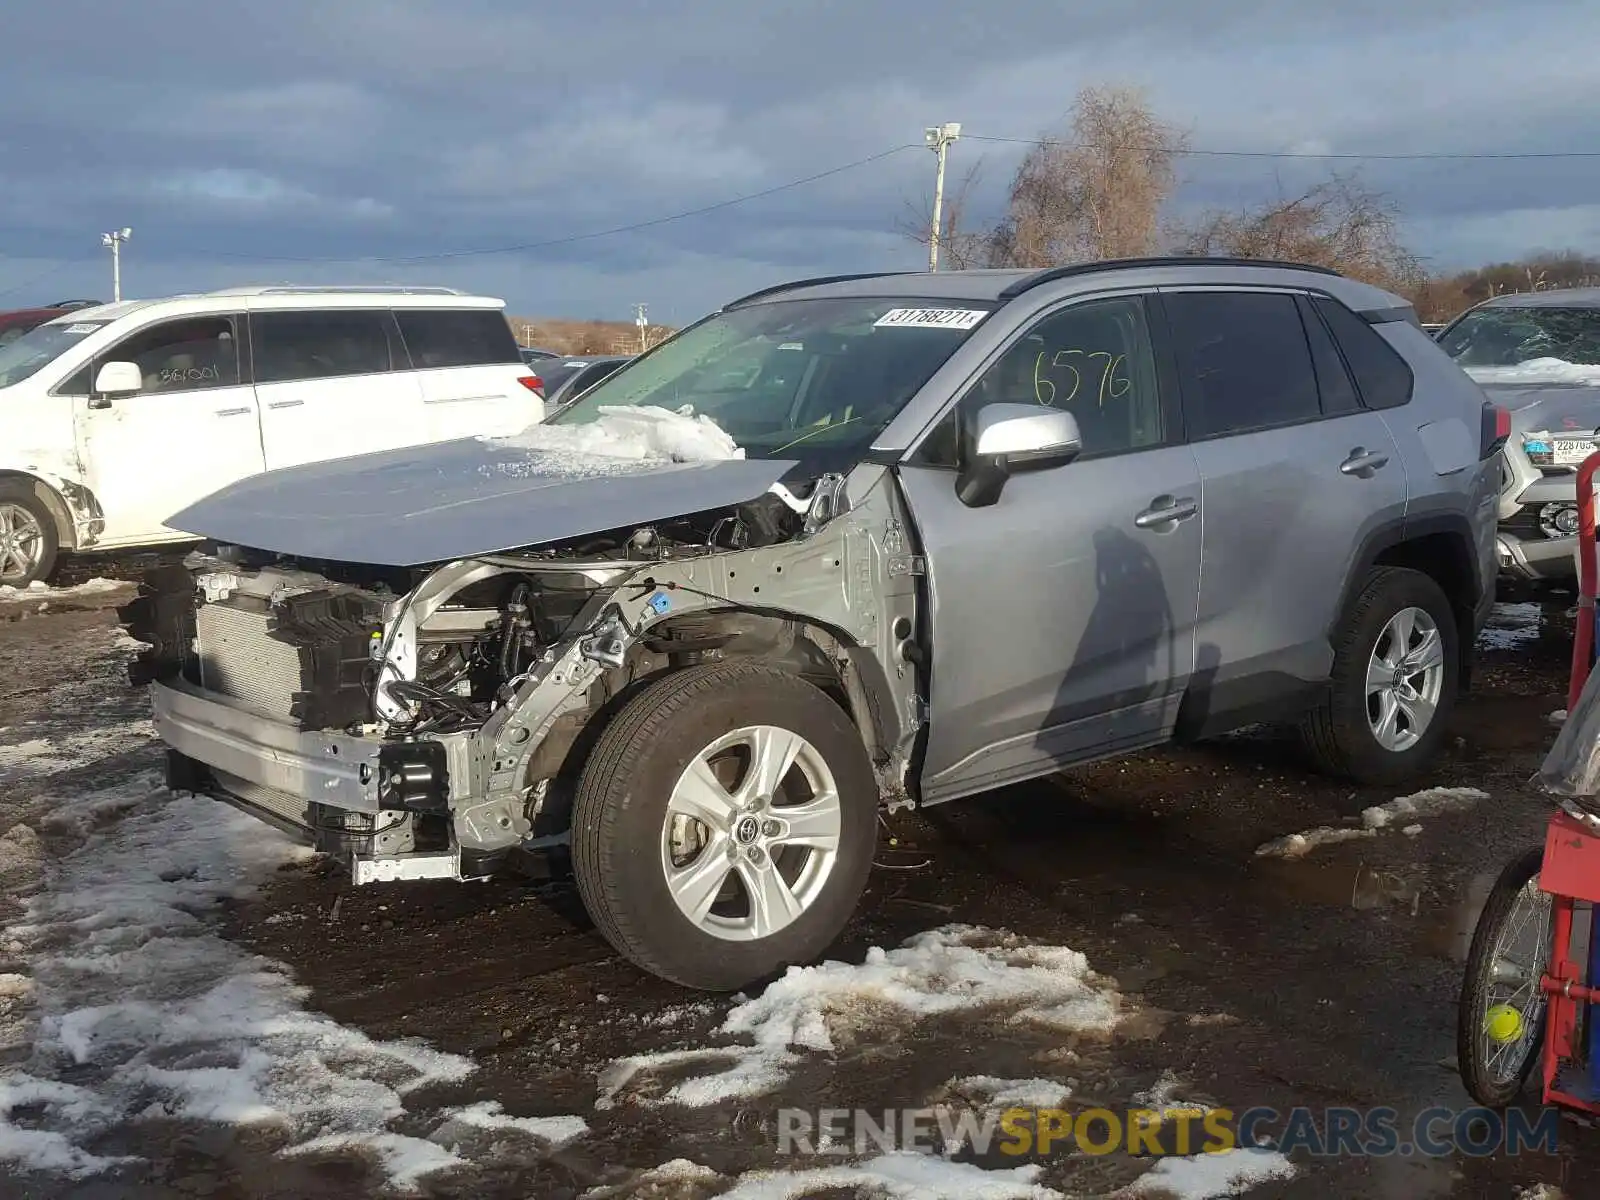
(885, 540)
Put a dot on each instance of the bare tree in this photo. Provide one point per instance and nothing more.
(1338, 223)
(959, 246)
(1095, 194)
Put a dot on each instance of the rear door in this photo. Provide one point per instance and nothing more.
(469, 372)
(1294, 473)
(332, 384)
(1062, 615)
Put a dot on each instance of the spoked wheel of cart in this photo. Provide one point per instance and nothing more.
(1500, 1026)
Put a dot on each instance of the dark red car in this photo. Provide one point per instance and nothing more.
(17, 322)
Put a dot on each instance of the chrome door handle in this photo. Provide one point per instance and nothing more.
(1165, 510)
(286, 404)
(232, 412)
(1363, 462)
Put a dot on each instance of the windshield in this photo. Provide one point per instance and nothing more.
(1509, 337)
(40, 347)
(796, 378)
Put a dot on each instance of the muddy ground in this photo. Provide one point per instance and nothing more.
(1327, 980)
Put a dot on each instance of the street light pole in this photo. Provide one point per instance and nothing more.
(939, 138)
(115, 240)
(643, 322)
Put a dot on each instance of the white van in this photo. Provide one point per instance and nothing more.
(116, 417)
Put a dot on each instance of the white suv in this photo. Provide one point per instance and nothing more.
(116, 417)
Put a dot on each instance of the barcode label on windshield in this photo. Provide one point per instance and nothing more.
(930, 318)
(90, 328)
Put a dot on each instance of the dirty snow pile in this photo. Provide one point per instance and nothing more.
(1539, 370)
(137, 1009)
(40, 590)
(1428, 802)
(957, 968)
(643, 433)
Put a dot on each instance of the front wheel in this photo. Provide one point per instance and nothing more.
(1396, 669)
(27, 536)
(1500, 1023)
(724, 825)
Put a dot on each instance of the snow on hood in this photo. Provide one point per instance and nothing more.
(646, 432)
(1538, 370)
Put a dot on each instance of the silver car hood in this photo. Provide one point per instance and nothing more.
(1548, 407)
(428, 504)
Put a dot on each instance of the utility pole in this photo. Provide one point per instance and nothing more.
(643, 322)
(939, 138)
(115, 240)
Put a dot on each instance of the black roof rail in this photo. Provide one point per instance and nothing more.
(803, 283)
(1050, 274)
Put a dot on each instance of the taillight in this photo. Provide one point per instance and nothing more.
(536, 385)
(1496, 429)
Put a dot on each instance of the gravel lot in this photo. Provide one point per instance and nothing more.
(189, 1008)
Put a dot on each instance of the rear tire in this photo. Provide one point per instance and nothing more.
(699, 867)
(28, 537)
(1380, 722)
(1492, 1080)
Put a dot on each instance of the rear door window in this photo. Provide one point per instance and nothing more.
(1382, 375)
(307, 344)
(465, 337)
(1243, 360)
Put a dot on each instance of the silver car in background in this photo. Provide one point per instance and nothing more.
(1537, 354)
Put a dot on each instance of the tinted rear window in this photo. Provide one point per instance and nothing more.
(1244, 360)
(1381, 374)
(457, 337)
(306, 344)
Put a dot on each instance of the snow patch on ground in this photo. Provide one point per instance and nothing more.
(1210, 1176)
(644, 434)
(952, 969)
(1428, 802)
(902, 1175)
(152, 1014)
(1425, 803)
(992, 1092)
(40, 590)
(679, 1179)
(1538, 370)
(1559, 717)
(37, 757)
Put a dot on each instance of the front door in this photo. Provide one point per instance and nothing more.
(191, 430)
(1062, 616)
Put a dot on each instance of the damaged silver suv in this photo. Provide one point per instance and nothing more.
(852, 542)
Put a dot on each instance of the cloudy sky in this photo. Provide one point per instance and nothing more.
(407, 140)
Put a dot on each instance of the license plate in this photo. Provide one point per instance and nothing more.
(1571, 451)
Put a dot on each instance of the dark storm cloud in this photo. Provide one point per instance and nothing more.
(236, 139)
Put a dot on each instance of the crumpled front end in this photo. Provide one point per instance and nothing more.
(425, 722)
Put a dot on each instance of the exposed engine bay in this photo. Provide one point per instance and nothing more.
(427, 722)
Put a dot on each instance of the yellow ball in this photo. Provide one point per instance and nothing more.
(1502, 1023)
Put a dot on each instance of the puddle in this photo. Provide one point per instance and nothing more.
(1344, 885)
(1510, 626)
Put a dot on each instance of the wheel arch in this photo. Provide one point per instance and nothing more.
(1439, 546)
(842, 669)
(51, 495)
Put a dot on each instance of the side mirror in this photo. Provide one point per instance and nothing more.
(1010, 438)
(118, 379)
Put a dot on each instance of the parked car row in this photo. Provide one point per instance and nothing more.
(1537, 354)
(960, 530)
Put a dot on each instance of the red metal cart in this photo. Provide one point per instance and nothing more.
(1528, 981)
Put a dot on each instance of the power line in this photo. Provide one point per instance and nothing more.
(1279, 154)
(570, 239)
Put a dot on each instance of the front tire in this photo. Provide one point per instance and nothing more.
(724, 825)
(1396, 671)
(28, 540)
